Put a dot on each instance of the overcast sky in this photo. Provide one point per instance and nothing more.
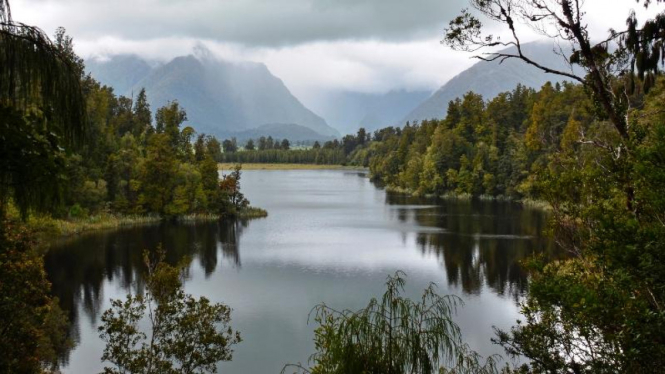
(314, 46)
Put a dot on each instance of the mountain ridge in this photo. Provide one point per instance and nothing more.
(221, 98)
(492, 78)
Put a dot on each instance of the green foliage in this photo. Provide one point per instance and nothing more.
(32, 325)
(602, 310)
(291, 156)
(267, 150)
(127, 166)
(394, 335)
(479, 149)
(233, 201)
(42, 111)
(186, 335)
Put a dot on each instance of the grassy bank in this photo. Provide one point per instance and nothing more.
(48, 228)
(229, 166)
(530, 203)
(252, 212)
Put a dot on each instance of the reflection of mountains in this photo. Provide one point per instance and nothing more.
(79, 269)
(481, 243)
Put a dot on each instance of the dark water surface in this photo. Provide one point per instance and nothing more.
(330, 236)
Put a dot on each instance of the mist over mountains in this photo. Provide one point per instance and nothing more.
(492, 78)
(348, 111)
(221, 98)
(246, 100)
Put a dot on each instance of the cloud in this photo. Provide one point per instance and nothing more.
(253, 22)
(314, 46)
(351, 65)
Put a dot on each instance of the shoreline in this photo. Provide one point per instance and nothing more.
(530, 203)
(286, 166)
(49, 229)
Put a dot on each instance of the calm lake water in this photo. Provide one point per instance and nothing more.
(331, 236)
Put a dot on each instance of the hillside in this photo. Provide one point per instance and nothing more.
(348, 111)
(293, 132)
(120, 72)
(221, 98)
(491, 78)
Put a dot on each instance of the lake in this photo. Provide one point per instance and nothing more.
(331, 236)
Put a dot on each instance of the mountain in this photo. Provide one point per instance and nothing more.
(120, 72)
(293, 132)
(389, 109)
(221, 98)
(348, 111)
(491, 78)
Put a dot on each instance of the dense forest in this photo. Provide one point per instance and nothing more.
(132, 163)
(495, 148)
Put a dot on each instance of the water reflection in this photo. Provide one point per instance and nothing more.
(478, 242)
(331, 236)
(79, 268)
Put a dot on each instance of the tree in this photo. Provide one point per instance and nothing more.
(214, 148)
(142, 113)
(563, 21)
(230, 190)
(316, 145)
(159, 175)
(32, 325)
(286, 145)
(362, 136)
(263, 143)
(601, 309)
(230, 145)
(210, 183)
(394, 335)
(200, 151)
(250, 145)
(187, 335)
(42, 114)
(43, 110)
(168, 119)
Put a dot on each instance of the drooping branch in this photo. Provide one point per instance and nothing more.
(42, 111)
(34, 72)
(566, 17)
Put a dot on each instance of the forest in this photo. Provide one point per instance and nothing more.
(592, 150)
(128, 166)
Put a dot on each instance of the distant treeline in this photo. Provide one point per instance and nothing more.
(268, 150)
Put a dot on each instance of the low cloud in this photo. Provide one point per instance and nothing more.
(252, 22)
(311, 68)
(314, 46)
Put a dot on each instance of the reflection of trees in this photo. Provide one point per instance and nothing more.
(79, 268)
(230, 232)
(483, 242)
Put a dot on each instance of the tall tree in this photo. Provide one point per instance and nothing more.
(43, 110)
(168, 120)
(142, 113)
